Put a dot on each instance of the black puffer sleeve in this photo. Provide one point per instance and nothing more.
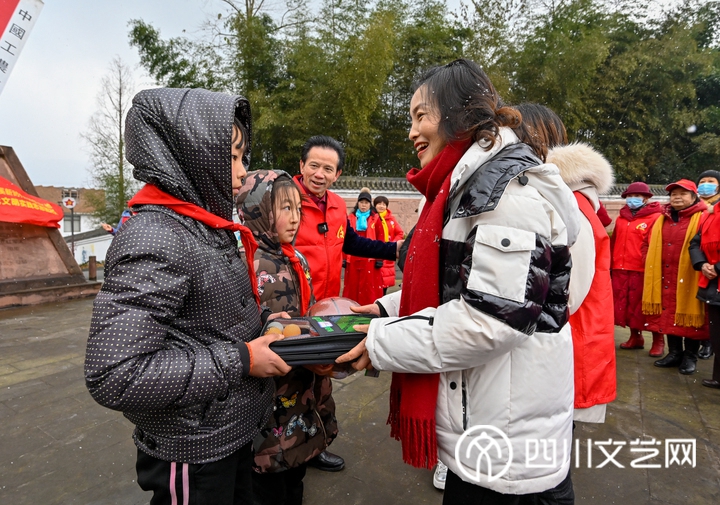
(697, 257)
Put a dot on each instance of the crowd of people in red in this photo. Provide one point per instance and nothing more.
(664, 260)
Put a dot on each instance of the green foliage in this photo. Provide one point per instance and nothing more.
(643, 90)
(178, 62)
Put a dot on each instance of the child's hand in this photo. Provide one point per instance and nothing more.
(265, 363)
(321, 369)
(282, 315)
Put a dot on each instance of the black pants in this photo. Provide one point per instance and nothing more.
(691, 345)
(280, 488)
(459, 492)
(224, 482)
(714, 317)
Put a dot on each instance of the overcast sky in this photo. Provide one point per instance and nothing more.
(52, 90)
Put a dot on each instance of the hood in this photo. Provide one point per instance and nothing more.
(254, 206)
(476, 155)
(180, 140)
(580, 165)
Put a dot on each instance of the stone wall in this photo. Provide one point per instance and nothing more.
(36, 265)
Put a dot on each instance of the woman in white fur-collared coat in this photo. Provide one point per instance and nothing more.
(588, 174)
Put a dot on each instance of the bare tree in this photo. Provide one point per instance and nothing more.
(104, 138)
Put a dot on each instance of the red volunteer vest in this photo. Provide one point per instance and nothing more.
(628, 238)
(323, 250)
(593, 332)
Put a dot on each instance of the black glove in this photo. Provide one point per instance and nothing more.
(378, 263)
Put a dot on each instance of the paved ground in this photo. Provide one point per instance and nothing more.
(58, 447)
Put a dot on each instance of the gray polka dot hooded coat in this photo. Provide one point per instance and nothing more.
(168, 331)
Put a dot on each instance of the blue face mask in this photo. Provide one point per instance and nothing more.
(707, 189)
(634, 202)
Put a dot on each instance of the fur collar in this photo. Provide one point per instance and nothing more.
(580, 163)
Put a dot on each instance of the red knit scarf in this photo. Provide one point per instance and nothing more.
(710, 243)
(152, 195)
(289, 251)
(413, 397)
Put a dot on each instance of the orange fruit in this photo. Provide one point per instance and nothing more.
(291, 330)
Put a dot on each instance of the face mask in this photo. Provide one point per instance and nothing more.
(634, 202)
(707, 189)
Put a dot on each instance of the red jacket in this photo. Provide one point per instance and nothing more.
(395, 233)
(363, 282)
(323, 250)
(629, 235)
(673, 238)
(593, 332)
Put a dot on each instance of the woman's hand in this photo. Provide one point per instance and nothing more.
(265, 363)
(359, 353)
(366, 309)
(707, 270)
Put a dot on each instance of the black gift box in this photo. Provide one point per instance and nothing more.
(323, 338)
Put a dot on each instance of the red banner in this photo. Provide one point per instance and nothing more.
(16, 206)
(7, 9)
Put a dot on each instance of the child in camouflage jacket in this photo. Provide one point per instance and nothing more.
(303, 423)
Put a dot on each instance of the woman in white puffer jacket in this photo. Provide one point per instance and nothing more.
(478, 337)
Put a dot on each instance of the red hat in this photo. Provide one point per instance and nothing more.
(637, 188)
(682, 183)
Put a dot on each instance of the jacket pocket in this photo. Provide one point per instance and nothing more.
(501, 261)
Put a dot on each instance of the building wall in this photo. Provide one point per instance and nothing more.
(87, 223)
(96, 246)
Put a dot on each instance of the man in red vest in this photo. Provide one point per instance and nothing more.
(326, 233)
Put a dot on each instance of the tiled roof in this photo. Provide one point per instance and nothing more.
(376, 184)
(400, 184)
(655, 189)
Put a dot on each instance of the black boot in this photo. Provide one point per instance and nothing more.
(689, 361)
(675, 353)
(327, 462)
(689, 364)
(706, 350)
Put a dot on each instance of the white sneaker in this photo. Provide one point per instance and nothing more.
(440, 475)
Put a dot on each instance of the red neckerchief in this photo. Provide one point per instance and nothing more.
(289, 251)
(152, 195)
(413, 397)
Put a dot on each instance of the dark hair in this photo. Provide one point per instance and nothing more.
(467, 103)
(244, 140)
(326, 142)
(709, 173)
(365, 195)
(381, 199)
(541, 128)
(282, 188)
